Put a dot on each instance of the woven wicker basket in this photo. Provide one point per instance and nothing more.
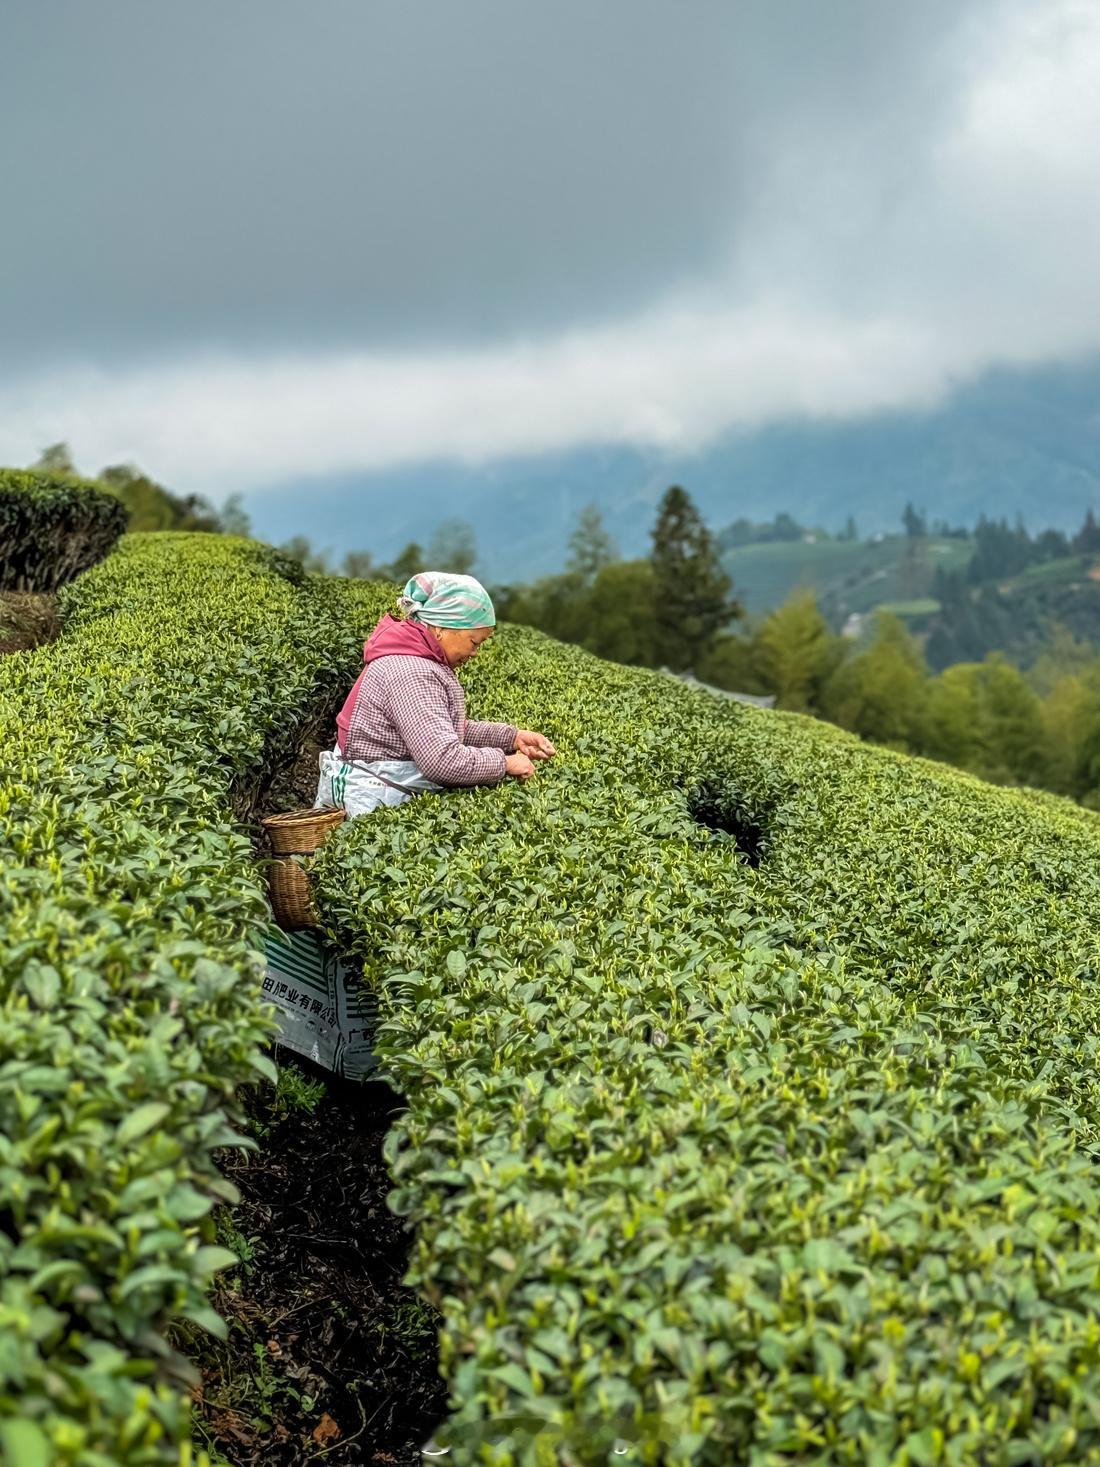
(291, 836)
(288, 889)
(301, 831)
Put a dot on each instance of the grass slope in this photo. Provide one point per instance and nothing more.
(784, 1163)
(1016, 614)
(846, 575)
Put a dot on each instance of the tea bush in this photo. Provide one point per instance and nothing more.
(52, 528)
(129, 1001)
(773, 1164)
(751, 1071)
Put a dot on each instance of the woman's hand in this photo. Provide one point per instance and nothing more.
(534, 745)
(518, 766)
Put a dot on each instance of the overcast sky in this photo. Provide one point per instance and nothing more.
(247, 240)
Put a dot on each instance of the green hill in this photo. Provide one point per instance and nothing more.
(750, 1072)
(1017, 614)
(1011, 614)
(846, 575)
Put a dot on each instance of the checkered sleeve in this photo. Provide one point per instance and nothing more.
(419, 710)
(490, 735)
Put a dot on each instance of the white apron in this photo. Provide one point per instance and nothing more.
(359, 787)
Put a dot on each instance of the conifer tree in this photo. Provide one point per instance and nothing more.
(453, 548)
(407, 564)
(693, 601)
(591, 548)
(1087, 539)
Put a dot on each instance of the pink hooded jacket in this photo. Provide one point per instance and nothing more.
(407, 703)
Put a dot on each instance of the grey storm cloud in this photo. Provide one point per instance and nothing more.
(264, 172)
(248, 240)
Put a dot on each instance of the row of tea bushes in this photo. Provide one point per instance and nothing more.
(52, 528)
(773, 1164)
(129, 1002)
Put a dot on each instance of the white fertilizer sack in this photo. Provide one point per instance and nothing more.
(321, 1015)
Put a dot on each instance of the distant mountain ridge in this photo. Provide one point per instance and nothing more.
(1014, 443)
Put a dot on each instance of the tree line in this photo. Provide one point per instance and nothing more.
(676, 609)
(667, 609)
(1041, 728)
(151, 505)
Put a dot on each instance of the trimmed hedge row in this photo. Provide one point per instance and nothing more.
(53, 528)
(129, 1000)
(793, 1164)
(778, 1164)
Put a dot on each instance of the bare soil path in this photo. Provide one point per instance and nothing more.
(329, 1357)
(27, 619)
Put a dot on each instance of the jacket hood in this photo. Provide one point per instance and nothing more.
(393, 638)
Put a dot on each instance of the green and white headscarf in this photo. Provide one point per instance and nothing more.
(440, 599)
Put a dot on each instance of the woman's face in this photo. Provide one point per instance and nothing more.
(460, 644)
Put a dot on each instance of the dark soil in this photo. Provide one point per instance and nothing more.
(720, 809)
(27, 619)
(294, 784)
(286, 778)
(328, 1357)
